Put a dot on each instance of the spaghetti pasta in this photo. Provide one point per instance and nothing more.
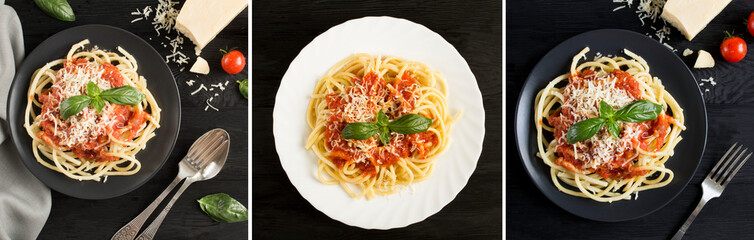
(89, 145)
(355, 90)
(605, 167)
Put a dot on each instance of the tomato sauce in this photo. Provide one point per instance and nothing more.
(621, 165)
(93, 148)
(382, 93)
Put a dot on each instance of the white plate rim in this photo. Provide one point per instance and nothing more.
(393, 37)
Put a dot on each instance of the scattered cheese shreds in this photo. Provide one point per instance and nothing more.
(650, 10)
(199, 89)
(210, 105)
(669, 47)
(190, 82)
(218, 85)
(710, 80)
(163, 22)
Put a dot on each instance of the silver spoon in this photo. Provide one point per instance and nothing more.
(204, 160)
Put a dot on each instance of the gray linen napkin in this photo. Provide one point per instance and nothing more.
(24, 201)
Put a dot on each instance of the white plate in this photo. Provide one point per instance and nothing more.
(384, 36)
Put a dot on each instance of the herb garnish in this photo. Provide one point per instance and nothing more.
(406, 124)
(223, 208)
(638, 111)
(125, 95)
(59, 9)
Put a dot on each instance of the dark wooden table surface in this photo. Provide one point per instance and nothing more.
(280, 29)
(534, 27)
(73, 218)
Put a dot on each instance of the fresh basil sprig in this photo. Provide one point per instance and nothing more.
(223, 208)
(638, 111)
(406, 124)
(125, 95)
(59, 9)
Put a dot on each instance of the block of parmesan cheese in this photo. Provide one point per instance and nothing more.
(202, 20)
(691, 16)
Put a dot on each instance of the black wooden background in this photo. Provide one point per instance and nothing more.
(73, 218)
(536, 26)
(280, 29)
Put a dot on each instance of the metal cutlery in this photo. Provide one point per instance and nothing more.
(204, 160)
(716, 181)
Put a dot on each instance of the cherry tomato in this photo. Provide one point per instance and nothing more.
(750, 23)
(233, 62)
(733, 49)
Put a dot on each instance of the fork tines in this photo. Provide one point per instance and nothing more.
(723, 174)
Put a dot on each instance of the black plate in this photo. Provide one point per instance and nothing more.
(160, 82)
(677, 79)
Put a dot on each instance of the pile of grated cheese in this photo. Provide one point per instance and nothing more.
(88, 124)
(163, 22)
(362, 108)
(584, 104)
(650, 10)
(584, 101)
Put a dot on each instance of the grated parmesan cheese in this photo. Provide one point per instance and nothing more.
(163, 22)
(201, 87)
(710, 80)
(650, 10)
(88, 124)
(583, 102)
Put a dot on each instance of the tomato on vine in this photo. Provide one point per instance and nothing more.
(232, 62)
(733, 48)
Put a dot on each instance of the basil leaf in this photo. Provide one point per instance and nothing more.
(606, 111)
(92, 89)
(125, 95)
(384, 135)
(410, 123)
(73, 105)
(223, 208)
(59, 9)
(584, 130)
(98, 104)
(613, 127)
(243, 87)
(382, 119)
(359, 131)
(639, 111)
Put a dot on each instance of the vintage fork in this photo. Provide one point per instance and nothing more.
(196, 159)
(716, 181)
